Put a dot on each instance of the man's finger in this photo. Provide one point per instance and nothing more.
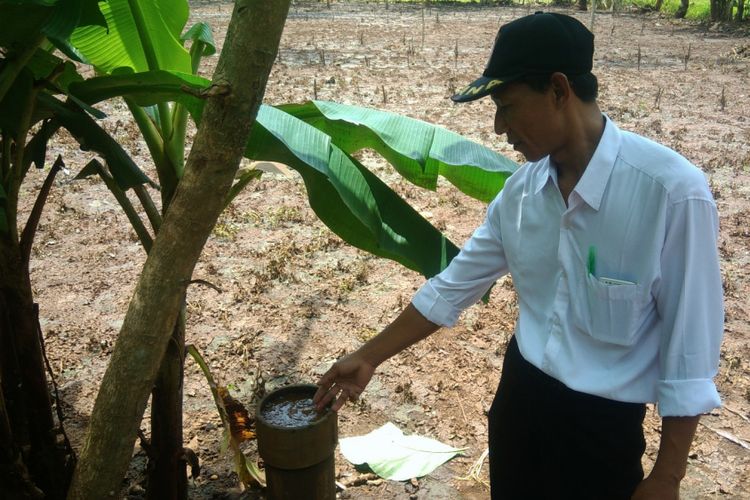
(326, 397)
(324, 384)
(322, 391)
(340, 401)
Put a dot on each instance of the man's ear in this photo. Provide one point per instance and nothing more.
(561, 88)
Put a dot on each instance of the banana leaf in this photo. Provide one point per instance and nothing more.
(347, 197)
(201, 32)
(392, 455)
(92, 137)
(140, 34)
(351, 200)
(23, 20)
(145, 88)
(418, 150)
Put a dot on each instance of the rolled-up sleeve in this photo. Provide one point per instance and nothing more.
(468, 276)
(690, 304)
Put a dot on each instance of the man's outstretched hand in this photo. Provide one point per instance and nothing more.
(349, 376)
(343, 382)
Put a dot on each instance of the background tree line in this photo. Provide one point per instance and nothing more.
(714, 10)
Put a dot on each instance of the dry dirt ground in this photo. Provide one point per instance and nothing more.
(295, 297)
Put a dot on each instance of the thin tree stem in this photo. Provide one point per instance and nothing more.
(127, 207)
(17, 172)
(6, 158)
(148, 206)
(29, 230)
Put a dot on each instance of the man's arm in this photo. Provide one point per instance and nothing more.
(348, 377)
(671, 462)
(407, 329)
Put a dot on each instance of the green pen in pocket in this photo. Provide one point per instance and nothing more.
(592, 260)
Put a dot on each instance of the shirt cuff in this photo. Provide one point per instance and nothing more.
(434, 307)
(687, 398)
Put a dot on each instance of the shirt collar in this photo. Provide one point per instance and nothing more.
(546, 173)
(594, 180)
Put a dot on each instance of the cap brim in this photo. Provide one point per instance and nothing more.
(479, 88)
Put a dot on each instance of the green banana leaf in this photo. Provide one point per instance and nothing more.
(140, 34)
(23, 20)
(36, 148)
(145, 88)
(92, 137)
(201, 32)
(14, 103)
(418, 150)
(347, 197)
(42, 64)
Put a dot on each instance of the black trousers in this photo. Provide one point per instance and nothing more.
(547, 441)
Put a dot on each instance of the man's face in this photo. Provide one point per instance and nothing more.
(529, 119)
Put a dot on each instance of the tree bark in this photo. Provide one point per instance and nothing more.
(721, 10)
(26, 402)
(34, 460)
(682, 9)
(167, 479)
(231, 106)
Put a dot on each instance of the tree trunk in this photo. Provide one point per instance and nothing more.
(721, 10)
(582, 4)
(740, 11)
(26, 403)
(38, 465)
(659, 3)
(167, 479)
(682, 9)
(231, 106)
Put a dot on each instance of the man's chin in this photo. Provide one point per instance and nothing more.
(528, 156)
(532, 157)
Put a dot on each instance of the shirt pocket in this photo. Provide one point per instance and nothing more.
(609, 312)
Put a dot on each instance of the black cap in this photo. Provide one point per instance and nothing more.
(539, 44)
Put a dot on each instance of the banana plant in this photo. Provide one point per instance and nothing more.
(140, 36)
(36, 458)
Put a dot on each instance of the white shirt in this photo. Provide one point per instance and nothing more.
(646, 325)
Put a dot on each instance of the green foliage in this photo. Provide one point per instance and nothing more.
(144, 62)
(345, 195)
(140, 34)
(698, 9)
(419, 151)
(201, 33)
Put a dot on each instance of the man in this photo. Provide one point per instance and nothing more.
(611, 242)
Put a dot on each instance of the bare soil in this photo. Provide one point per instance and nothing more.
(294, 297)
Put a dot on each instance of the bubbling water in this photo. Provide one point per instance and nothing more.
(290, 411)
